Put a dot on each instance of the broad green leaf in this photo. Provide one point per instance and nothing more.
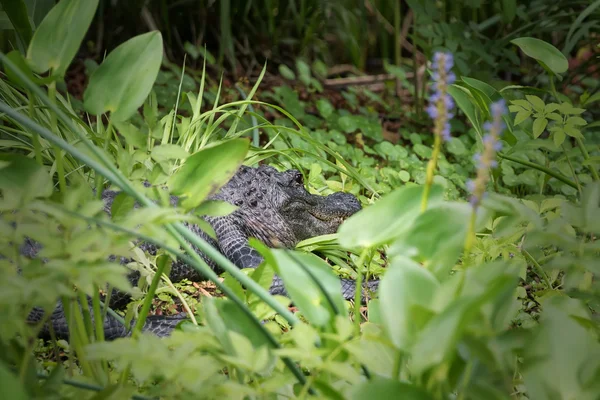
(58, 38)
(19, 62)
(522, 116)
(561, 355)
(464, 103)
(437, 236)
(304, 291)
(405, 285)
(389, 389)
(123, 81)
(537, 103)
(22, 180)
(388, 218)
(238, 321)
(433, 348)
(558, 137)
(133, 136)
(121, 206)
(303, 72)
(573, 132)
(204, 172)
(576, 121)
(286, 72)
(539, 124)
(544, 53)
(215, 208)
(523, 103)
(10, 384)
(16, 10)
(325, 107)
(168, 151)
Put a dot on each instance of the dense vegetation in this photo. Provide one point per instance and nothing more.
(472, 145)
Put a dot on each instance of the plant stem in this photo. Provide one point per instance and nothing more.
(397, 365)
(538, 268)
(431, 166)
(60, 169)
(572, 169)
(35, 138)
(137, 328)
(545, 170)
(358, 291)
(470, 238)
(587, 157)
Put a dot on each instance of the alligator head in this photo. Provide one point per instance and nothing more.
(276, 208)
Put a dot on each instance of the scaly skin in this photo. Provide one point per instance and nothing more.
(273, 207)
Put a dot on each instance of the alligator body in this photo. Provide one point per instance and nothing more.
(272, 206)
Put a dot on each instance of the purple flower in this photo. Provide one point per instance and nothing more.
(440, 102)
(486, 160)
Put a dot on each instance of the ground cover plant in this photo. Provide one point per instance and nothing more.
(479, 187)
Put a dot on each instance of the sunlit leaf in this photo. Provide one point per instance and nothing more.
(392, 215)
(207, 170)
(405, 285)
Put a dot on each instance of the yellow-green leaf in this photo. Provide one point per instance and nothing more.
(538, 126)
(207, 170)
(123, 81)
(58, 38)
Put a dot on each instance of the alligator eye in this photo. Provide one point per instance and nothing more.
(298, 179)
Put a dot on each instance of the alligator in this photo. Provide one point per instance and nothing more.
(271, 206)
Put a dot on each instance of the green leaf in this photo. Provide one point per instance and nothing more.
(215, 208)
(132, 134)
(561, 354)
(431, 348)
(388, 218)
(10, 385)
(388, 389)
(456, 147)
(573, 132)
(547, 55)
(303, 72)
(286, 72)
(121, 206)
(463, 102)
(325, 107)
(551, 107)
(437, 236)
(539, 124)
(558, 137)
(19, 62)
(523, 103)
(537, 103)
(22, 180)
(405, 285)
(16, 10)
(168, 151)
(123, 81)
(304, 291)
(554, 116)
(522, 116)
(576, 121)
(58, 38)
(207, 170)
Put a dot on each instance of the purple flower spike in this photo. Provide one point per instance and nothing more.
(486, 160)
(440, 102)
